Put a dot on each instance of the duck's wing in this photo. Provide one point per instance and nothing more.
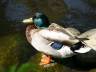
(55, 26)
(72, 32)
(91, 36)
(87, 33)
(91, 42)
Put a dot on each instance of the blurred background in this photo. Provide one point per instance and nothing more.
(16, 52)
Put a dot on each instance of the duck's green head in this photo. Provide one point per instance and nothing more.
(39, 19)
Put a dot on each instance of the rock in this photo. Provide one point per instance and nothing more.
(87, 59)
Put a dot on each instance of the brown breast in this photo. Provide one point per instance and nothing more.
(28, 29)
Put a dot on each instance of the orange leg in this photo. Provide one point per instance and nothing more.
(46, 59)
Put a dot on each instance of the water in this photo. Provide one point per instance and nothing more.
(78, 4)
(16, 11)
(80, 15)
(77, 17)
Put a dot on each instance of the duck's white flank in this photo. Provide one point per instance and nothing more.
(83, 50)
(41, 44)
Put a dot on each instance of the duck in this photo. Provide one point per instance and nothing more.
(48, 39)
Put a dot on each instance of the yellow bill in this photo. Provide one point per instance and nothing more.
(29, 20)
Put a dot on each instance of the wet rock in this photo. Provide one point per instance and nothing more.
(88, 59)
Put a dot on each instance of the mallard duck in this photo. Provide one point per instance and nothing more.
(47, 41)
